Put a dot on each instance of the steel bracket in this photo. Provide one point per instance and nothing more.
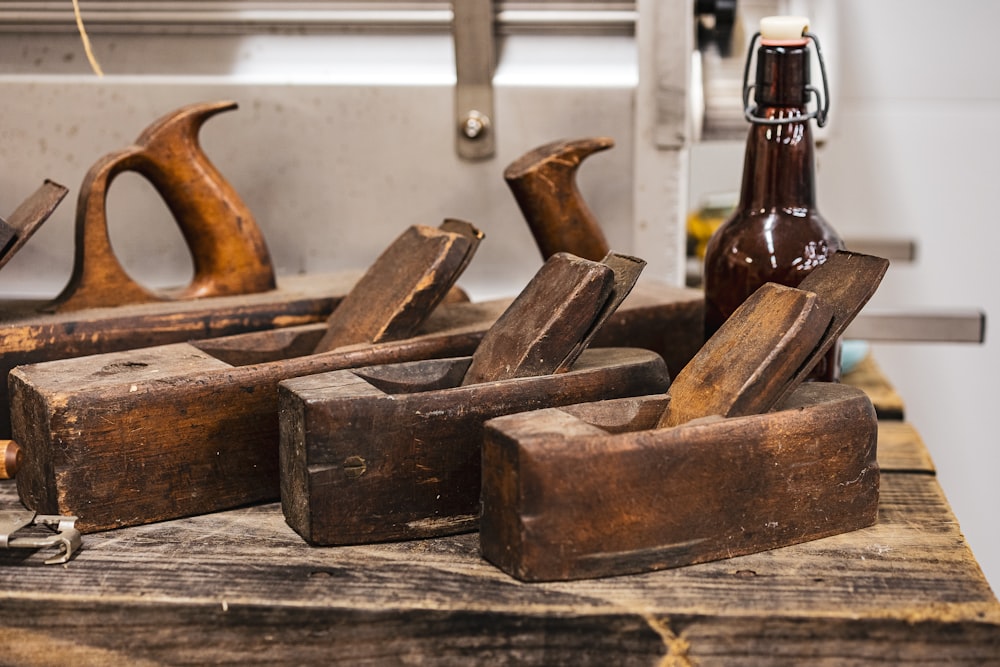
(60, 533)
(475, 61)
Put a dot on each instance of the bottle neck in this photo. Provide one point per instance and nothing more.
(782, 76)
(779, 165)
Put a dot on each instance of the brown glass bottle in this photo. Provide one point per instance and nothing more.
(776, 234)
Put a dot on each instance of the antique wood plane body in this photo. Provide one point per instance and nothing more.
(28, 337)
(393, 452)
(103, 309)
(739, 456)
(168, 431)
(143, 435)
(597, 490)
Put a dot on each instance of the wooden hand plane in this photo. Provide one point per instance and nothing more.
(139, 436)
(739, 457)
(393, 452)
(103, 309)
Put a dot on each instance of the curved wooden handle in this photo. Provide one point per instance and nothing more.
(229, 253)
(544, 184)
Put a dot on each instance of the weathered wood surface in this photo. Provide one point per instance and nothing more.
(746, 364)
(845, 282)
(554, 317)
(28, 337)
(868, 376)
(403, 286)
(28, 217)
(168, 431)
(240, 587)
(393, 452)
(643, 498)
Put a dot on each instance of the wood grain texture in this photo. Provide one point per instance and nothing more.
(403, 286)
(868, 376)
(168, 431)
(546, 321)
(393, 452)
(240, 587)
(654, 498)
(28, 336)
(745, 366)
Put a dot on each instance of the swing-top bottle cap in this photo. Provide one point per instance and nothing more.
(783, 30)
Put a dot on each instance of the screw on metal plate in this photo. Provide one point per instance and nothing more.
(56, 531)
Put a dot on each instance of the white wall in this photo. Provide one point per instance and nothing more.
(916, 154)
(912, 153)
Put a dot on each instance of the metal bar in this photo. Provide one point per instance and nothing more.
(895, 250)
(959, 326)
(234, 16)
(475, 57)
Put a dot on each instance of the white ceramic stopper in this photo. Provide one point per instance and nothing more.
(783, 29)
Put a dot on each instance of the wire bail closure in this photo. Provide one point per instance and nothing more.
(822, 101)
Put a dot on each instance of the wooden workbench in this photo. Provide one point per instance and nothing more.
(240, 587)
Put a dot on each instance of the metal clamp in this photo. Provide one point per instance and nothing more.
(822, 101)
(475, 55)
(66, 537)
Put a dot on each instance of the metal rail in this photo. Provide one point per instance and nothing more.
(333, 16)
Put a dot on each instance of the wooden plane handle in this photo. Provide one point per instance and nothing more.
(747, 361)
(545, 323)
(403, 286)
(228, 250)
(28, 217)
(626, 270)
(543, 182)
(771, 342)
(845, 282)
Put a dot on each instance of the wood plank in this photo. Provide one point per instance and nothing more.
(240, 587)
(868, 377)
(900, 449)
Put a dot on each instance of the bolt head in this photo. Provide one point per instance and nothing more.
(475, 125)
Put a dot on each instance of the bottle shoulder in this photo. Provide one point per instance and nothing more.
(777, 226)
(772, 242)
